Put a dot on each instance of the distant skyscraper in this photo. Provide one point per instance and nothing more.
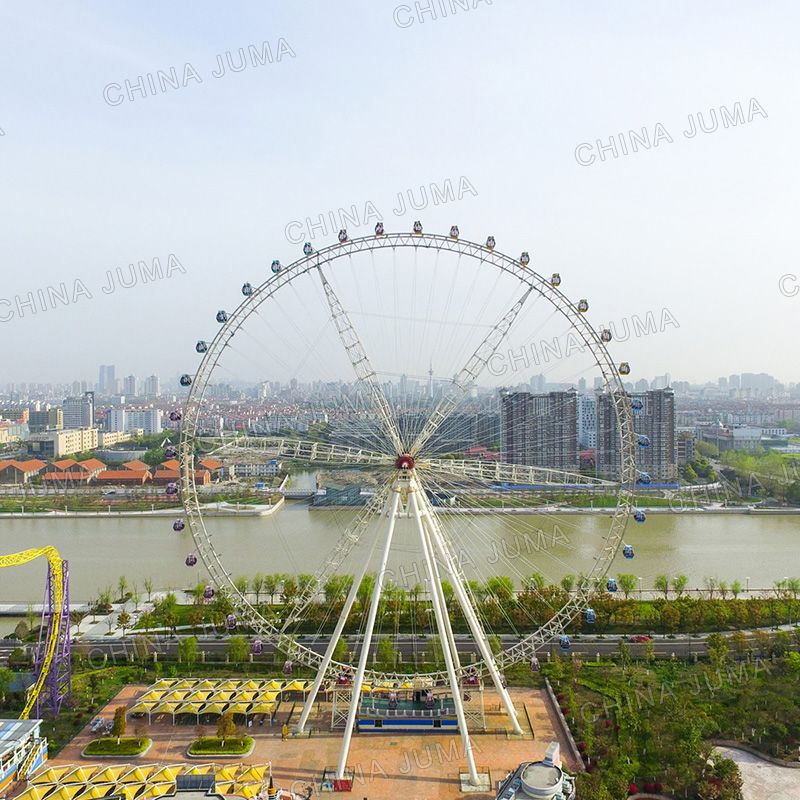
(661, 381)
(78, 412)
(540, 429)
(537, 383)
(642, 385)
(129, 386)
(107, 382)
(587, 421)
(152, 386)
(735, 381)
(656, 420)
(582, 386)
(722, 384)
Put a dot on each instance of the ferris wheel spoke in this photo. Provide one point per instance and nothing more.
(496, 472)
(469, 373)
(348, 540)
(299, 450)
(362, 367)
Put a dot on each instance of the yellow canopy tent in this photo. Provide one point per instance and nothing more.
(261, 708)
(196, 769)
(189, 708)
(165, 708)
(143, 707)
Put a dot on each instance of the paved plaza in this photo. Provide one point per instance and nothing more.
(385, 766)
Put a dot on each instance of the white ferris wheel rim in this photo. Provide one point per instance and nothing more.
(576, 604)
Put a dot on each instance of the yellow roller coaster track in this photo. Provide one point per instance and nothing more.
(56, 575)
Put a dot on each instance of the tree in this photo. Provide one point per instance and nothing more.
(120, 722)
(123, 621)
(340, 651)
(271, 583)
(717, 646)
(237, 648)
(242, 585)
(627, 583)
(6, 676)
(710, 582)
(122, 588)
(534, 582)
(568, 583)
(736, 589)
(226, 727)
(495, 643)
(187, 651)
(387, 654)
(147, 620)
(259, 584)
(661, 584)
(679, 584)
(76, 618)
(148, 587)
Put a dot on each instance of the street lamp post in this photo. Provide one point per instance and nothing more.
(640, 589)
(747, 585)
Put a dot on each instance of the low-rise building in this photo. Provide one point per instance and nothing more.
(57, 444)
(20, 471)
(123, 477)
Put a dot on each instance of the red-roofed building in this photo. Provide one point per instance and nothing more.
(69, 478)
(62, 465)
(171, 465)
(136, 464)
(21, 471)
(122, 477)
(93, 466)
(213, 465)
(162, 477)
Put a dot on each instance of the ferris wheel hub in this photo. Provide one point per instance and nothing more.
(404, 461)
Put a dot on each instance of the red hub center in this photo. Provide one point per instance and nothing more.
(404, 461)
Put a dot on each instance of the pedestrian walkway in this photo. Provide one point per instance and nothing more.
(761, 779)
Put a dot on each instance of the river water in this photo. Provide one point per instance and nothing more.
(297, 539)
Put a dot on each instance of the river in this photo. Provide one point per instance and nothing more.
(296, 539)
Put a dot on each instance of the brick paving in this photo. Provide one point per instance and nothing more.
(425, 766)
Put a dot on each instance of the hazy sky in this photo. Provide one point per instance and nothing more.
(368, 100)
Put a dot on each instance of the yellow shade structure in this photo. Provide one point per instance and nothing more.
(94, 791)
(143, 707)
(261, 708)
(197, 769)
(109, 775)
(165, 708)
(212, 708)
(137, 775)
(244, 696)
(163, 775)
(189, 708)
(237, 708)
(296, 686)
(50, 775)
(250, 686)
(66, 792)
(34, 793)
(200, 695)
(227, 773)
(78, 775)
(253, 773)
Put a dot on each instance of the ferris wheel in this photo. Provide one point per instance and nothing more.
(399, 345)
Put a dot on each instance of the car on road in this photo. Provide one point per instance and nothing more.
(641, 637)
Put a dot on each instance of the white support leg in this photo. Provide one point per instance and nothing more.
(337, 632)
(362, 661)
(475, 626)
(440, 614)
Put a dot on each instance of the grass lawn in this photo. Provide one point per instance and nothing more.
(211, 746)
(128, 746)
